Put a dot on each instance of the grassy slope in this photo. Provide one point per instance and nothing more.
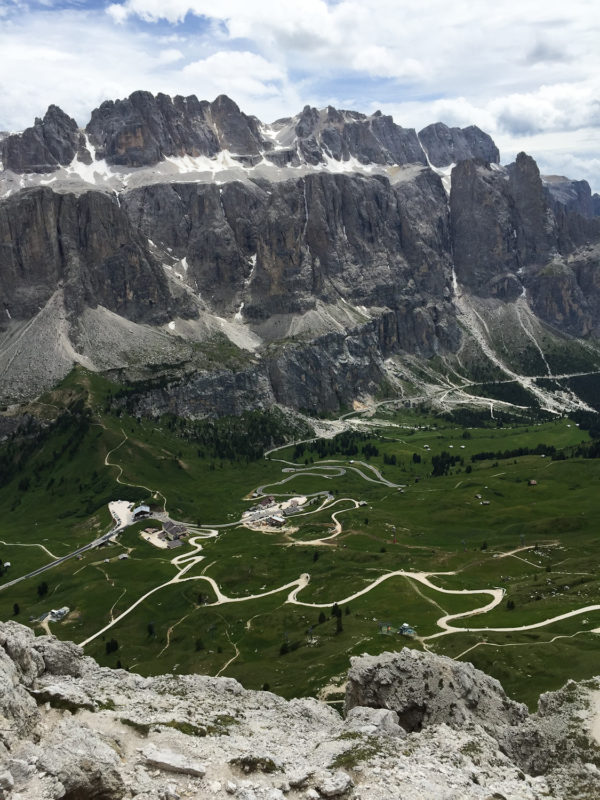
(436, 524)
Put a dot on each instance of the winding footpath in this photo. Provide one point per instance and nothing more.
(185, 562)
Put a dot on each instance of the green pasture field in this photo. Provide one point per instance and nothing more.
(58, 498)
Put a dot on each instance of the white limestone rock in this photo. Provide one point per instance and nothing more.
(333, 784)
(173, 762)
(295, 748)
(374, 720)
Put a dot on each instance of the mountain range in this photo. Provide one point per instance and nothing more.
(219, 264)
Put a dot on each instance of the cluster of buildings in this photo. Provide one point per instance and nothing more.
(262, 505)
(389, 629)
(172, 533)
(273, 513)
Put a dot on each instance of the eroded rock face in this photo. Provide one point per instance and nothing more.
(572, 195)
(51, 142)
(446, 145)
(341, 135)
(84, 244)
(282, 246)
(143, 129)
(507, 236)
(425, 689)
(352, 255)
(123, 736)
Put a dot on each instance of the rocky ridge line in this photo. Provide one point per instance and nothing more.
(143, 129)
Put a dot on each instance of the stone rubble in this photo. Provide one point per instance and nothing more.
(417, 727)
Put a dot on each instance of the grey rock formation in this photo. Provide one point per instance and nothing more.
(84, 244)
(506, 235)
(445, 145)
(280, 247)
(53, 141)
(313, 135)
(172, 737)
(425, 689)
(572, 195)
(173, 762)
(326, 278)
(143, 129)
(374, 720)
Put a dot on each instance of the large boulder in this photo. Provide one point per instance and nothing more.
(426, 689)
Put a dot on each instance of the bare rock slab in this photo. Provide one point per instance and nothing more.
(170, 761)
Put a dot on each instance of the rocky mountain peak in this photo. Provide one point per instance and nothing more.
(143, 130)
(446, 145)
(343, 135)
(51, 142)
(572, 194)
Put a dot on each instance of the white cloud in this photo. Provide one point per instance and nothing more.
(169, 56)
(522, 71)
(77, 60)
(382, 62)
(562, 106)
(243, 73)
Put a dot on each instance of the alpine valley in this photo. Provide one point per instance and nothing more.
(279, 396)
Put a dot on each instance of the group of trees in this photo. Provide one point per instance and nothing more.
(588, 421)
(347, 443)
(369, 450)
(336, 613)
(111, 646)
(498, 455)
(442, 463)
(22, 455)
(244, 438)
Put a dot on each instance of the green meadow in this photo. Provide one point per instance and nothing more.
(464, 497)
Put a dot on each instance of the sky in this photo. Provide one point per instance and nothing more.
(527, 72)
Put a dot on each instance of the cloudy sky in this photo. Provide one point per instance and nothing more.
(528, 72)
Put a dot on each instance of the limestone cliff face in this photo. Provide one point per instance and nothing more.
(508, 234)
(572, 195)
(72, 730)
(85, 245)
(143, 129)
(499, 225)
(325, 374)
(280, 247)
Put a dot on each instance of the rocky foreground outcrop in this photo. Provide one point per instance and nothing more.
(416, 726)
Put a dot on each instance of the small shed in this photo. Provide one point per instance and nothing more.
(387, 628)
